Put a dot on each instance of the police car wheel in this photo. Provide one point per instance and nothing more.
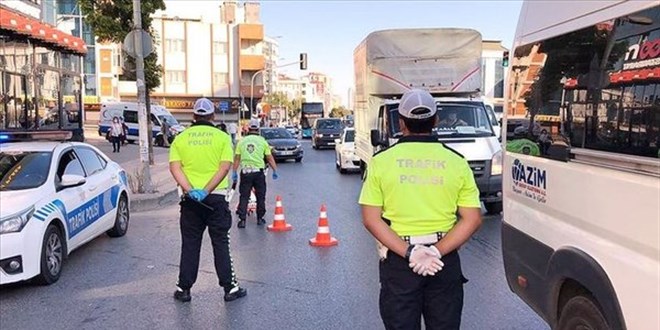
(52, 256)
(494, 207)
(580, 312)
(299, 159)
(121, 220)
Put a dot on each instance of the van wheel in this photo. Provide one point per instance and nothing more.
(52, 256)
(121, 219)
(493, 207)
(581, 313)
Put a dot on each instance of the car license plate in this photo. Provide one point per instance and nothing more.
(286, 153)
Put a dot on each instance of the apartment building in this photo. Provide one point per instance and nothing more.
(493, 71)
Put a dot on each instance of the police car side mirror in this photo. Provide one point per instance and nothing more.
(72, 180)
(375, 138)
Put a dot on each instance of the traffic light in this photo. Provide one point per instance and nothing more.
(303, 61)
(505, 59)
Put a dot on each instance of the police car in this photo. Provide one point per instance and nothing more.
(55, 197)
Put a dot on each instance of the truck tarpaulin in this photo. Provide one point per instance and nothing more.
(442, 60)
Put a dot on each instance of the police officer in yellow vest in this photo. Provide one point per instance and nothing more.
(410, 197)
(200, 159)
(250, 154)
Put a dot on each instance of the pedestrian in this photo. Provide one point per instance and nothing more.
(124, 129)
(250, 154)
(232, 128)
(200, 159)
(165, 132)
(223, 127)
(410, 196)
(116, 132)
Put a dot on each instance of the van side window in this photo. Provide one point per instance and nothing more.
(130, 116)
(596, 88)
(154, 120)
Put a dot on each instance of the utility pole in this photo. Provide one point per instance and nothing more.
(145, 174)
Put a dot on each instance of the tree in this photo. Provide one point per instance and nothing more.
(339, 112)
(111, 21)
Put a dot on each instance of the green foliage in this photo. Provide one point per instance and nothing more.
(281, 99)
(111, 21)
(339, 112)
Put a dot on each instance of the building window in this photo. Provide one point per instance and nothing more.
(174, 46)
(219, 47)
(220, 78)
(175, 77)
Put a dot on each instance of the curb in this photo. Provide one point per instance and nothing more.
(155, 201)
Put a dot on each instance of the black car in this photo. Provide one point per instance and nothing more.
(326, 131)
(283, 145)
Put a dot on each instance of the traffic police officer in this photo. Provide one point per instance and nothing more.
(200, 158)
(409, 201)
(250, 154)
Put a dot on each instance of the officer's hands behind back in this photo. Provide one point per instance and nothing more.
(425, 260)
(198, 194)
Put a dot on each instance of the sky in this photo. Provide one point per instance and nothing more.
(329, 31)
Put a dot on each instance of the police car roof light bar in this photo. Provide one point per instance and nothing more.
(36, 136)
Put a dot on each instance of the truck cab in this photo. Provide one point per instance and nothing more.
(464, 125)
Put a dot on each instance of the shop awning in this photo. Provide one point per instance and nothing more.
(622, 77)
(36, 30)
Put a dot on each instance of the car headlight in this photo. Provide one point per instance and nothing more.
(15, 223)
(496, 164)
(319, 135)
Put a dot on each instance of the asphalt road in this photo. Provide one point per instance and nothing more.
(128, 282)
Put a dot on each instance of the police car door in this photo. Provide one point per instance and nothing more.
(67, 200)
(100, 197)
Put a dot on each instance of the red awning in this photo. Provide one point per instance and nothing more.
(34, 29)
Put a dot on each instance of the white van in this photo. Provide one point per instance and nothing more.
(128, 111)
(581, 224)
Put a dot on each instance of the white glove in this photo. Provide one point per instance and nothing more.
(425, 261)
(437, 252)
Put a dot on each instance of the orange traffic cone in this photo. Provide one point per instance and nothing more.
(323, 237)
(279, 223)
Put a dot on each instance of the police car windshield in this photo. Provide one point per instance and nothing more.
(276, 133)
(463, 119)
(23, 170)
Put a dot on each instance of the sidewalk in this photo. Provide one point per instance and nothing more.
(165, 192)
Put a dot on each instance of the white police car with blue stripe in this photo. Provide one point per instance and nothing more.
(55, 197)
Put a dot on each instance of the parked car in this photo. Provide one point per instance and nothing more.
(345, 157)
(55, 197)
(283, 145)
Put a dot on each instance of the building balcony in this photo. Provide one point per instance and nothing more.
(251, 32)
(251, 62)
(258, 91)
